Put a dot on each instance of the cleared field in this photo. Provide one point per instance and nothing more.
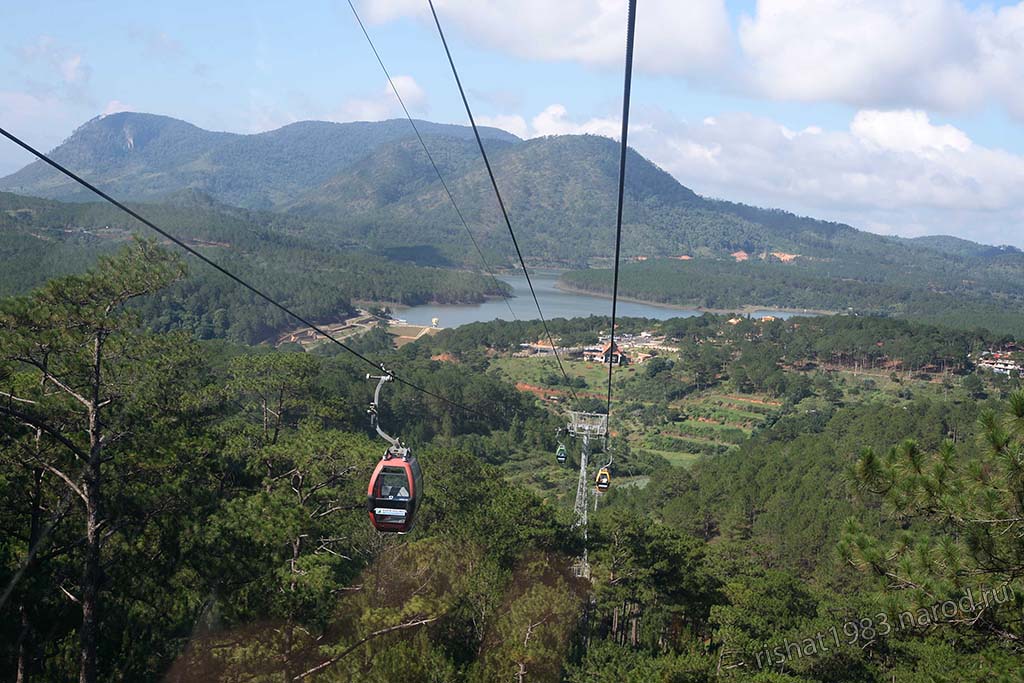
(677, 458)
(723, 415)
(713, 421)
(536, 369)
(711, 430)
(405, 334)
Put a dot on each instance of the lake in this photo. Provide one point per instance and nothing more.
(554, 302)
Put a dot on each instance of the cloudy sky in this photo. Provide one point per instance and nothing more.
(897, 116)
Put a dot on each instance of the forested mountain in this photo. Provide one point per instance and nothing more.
(41, 239)
(560, 192)
(145, 157)
(370, 186)
(371, 183)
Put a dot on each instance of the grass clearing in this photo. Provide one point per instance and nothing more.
(677, 459)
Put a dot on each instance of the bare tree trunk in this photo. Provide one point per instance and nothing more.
(24, 647)
(90, 575)
(289, 627)
(91, 572)
(277, 418)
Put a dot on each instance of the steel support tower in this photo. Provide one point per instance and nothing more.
(584, 425)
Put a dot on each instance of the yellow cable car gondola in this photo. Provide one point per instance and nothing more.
(604, 479)
(560, 454)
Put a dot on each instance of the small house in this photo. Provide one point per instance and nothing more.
(609, 353)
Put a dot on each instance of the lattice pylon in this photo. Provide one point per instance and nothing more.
(584, 425)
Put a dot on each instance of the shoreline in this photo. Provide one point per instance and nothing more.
(395, 307)
(746, 309)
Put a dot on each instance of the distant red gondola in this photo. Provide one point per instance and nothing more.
(396, 487)
(394, 493)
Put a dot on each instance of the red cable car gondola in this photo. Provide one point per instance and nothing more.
(394, 493)
(396, 486)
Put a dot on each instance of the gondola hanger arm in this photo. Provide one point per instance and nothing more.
(396, 445)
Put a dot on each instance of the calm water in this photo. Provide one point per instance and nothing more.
(554, 302)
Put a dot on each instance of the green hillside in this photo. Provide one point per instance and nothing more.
(371, 182)
(768, 518)
(371, 186)
(41, 239)
(145, 157)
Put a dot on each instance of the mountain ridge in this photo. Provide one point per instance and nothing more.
(370, 183)
(141, 157)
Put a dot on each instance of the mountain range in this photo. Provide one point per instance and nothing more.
(372, 183)
(143, 157)
(371, 186)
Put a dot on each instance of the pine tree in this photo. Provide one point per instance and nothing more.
(68, 349)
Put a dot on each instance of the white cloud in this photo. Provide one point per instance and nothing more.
(115, 106)
(412, 93)
(384, 104)
(936, 54)
(931, 54)
(554, 120)
(68, 64)
(907, 131)
(894, 171)
(691, 37)
(513, 123)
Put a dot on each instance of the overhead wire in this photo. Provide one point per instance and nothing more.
(623, 148)
(430, 157)
(216, 266)
(501, 203)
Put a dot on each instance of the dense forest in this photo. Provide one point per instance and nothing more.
(40, 239)
(178, 508)
(357, 189)
(965, 294)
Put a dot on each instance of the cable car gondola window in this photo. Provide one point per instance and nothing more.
(393, 484)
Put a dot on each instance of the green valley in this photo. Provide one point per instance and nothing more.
(369, 186)
(188, 493)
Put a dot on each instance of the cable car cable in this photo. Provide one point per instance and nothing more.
(423, 144)
(630, 30)
(501, 203)
(213, 264)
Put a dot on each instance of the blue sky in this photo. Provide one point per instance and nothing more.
(896, 117)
